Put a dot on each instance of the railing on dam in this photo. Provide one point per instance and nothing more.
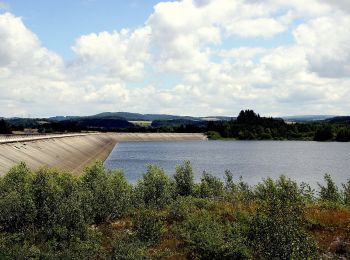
(32, 137)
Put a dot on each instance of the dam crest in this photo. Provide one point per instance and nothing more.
(71, 152)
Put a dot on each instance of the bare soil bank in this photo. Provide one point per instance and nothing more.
(74, 153)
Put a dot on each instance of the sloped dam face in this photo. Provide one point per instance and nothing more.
(72, 152)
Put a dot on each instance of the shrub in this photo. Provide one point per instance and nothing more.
(121, 194)
(206, 237)
(240, 192)
(106, 193)
(181, 208)
(266, 136)
(156, 188)
(211, 187)
(330, 192)
(126, 246)
(149, 226)
(98, 194)
(184, 179)
(24, 246)
(307, 192)
(278, 228)
(58, 205)
(212, 135)
(18, 210)
(346, 188)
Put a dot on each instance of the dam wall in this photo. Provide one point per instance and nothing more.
(71, 152)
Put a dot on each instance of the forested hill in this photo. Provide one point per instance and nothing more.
(247, 126)
(339, 119)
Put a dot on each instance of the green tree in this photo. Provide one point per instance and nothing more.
(4, 127)
(324, 134)
(343, 135)
(248, 117)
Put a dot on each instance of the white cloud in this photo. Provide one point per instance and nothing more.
(121, 53)
(260, 27)
(343, 5)
(204, 43)
(326, 42)
(242, 53)
(20, 49)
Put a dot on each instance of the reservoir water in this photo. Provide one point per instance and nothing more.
(253, 160)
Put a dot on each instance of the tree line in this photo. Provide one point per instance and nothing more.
(250, 126)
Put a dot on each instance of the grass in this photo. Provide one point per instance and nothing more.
(329, 227)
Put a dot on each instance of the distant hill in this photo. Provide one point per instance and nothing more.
(339, 119)
(110, 120)
(141, 117)
(306, 118)
(114, 120)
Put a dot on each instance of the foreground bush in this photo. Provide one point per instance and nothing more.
(329, 193)
(106, 194)
(279, 226)
(184, 179)
(207, 237)
(18, 211)
(49, 214)
(156, 188)
(149, 226)
(211, 187)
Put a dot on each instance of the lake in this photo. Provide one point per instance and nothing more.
(253, 160)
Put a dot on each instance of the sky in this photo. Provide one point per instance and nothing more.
(185, 57)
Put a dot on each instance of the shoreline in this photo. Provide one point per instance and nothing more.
(73, 152)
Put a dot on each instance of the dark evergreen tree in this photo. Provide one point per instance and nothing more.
(4, 127)
(343, 135)
(324, 134)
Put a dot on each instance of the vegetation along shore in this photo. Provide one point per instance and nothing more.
(248, 125)
(48, 214)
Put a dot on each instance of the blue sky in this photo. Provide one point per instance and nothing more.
(59, 23)
(189, 57)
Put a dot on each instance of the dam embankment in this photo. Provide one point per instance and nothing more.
(72, 152)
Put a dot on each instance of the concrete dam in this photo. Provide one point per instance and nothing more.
(71, 152)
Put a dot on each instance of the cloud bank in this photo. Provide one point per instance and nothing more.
(195, 57)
